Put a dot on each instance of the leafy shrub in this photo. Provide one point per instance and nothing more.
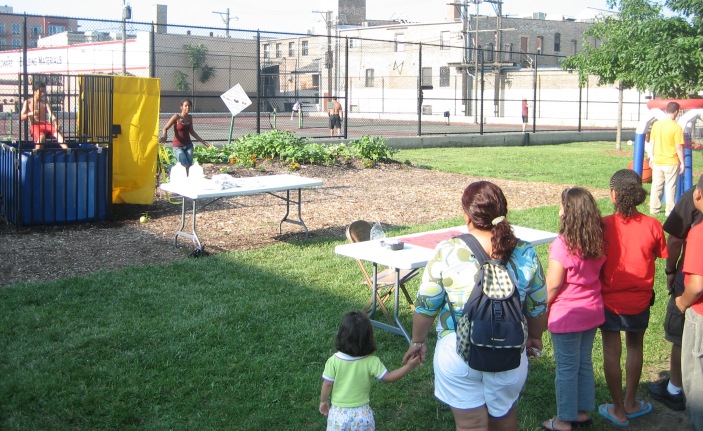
(283, 145)
(372, 149)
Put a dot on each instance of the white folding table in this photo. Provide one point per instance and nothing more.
(413, 257)
(207, 190)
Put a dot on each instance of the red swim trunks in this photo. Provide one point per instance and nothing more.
(43, 128)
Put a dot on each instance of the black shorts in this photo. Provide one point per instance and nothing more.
(524, 118)
(673, 322)
(625, 322)
(335, 121)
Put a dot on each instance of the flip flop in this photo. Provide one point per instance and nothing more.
(603, 411)
(645, 408)
(551, 425)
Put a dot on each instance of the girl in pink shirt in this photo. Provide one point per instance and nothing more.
(575, 306)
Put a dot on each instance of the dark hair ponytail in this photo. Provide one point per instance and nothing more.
(485, 205)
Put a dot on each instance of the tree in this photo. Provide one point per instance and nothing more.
(643, 49)
(196, 56)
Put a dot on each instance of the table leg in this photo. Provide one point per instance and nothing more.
(193, 235)
(285, 218)
(398, 329)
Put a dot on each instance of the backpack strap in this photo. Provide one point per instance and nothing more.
(475, 247)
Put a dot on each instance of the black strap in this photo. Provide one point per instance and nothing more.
(475, 247)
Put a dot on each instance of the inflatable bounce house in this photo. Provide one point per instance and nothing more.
(692, 109)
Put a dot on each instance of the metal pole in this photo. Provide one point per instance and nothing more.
(124, 38)
(419, 93)
(258, 81)
(346, 87)
(476, 2)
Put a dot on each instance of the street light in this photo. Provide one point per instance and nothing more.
(126, 14)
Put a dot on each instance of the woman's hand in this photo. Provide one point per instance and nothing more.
(416, 349)
(162, 139)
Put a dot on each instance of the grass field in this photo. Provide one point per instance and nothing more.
(238, 341)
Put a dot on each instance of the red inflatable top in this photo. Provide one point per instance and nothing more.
(683, 103)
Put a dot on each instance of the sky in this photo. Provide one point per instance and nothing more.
(285, 15)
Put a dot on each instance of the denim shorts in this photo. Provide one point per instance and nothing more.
(184, 155)
(625, 322)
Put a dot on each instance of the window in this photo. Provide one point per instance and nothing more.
(53, 29)
(573, 46)
(35, 30)
(16, 44)
(508, 53)
(369, 77)
(489, 53)
(557, 42)
(304, 48)
(426, 76)
(291, 49)
(399, 42)
(279, 53)
(444, 40)
(267, 50)
(540, 41)
(316, 80)
(15, 28)
(2, 28)
(444, 76)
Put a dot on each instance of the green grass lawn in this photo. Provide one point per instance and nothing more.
(238, 341)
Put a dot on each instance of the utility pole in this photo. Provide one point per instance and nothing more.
(126, 14)
(226, 19)
(329, 56)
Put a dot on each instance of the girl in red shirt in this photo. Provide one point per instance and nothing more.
(633, 242)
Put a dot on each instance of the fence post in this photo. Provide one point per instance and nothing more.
(346, 87)
(258, 81)
(419, 92)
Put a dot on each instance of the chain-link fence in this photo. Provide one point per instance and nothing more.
(385, 87)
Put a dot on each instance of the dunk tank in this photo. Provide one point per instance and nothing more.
(53, 185)
(691, 121)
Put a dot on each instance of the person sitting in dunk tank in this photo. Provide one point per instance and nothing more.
(42, 121)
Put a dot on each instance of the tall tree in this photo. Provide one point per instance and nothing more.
(641, 48)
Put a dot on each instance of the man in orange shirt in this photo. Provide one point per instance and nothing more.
(667, 159)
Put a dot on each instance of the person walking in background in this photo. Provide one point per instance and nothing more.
(295, 109)
(691, 303)
(575, 305)
(633, 242)
(667, 159)
(349, 373)
(182, 124)
(678, 225)
(335, 114)
(525, 114)
(480, 401)
(42, 121)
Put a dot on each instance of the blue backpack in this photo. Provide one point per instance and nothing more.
(492, 331)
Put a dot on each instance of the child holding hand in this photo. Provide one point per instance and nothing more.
(349, 373)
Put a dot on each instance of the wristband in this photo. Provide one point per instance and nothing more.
(417, 343)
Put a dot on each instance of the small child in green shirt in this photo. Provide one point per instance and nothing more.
(349, 372)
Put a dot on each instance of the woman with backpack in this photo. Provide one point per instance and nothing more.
(479, 400)
(575, 306)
